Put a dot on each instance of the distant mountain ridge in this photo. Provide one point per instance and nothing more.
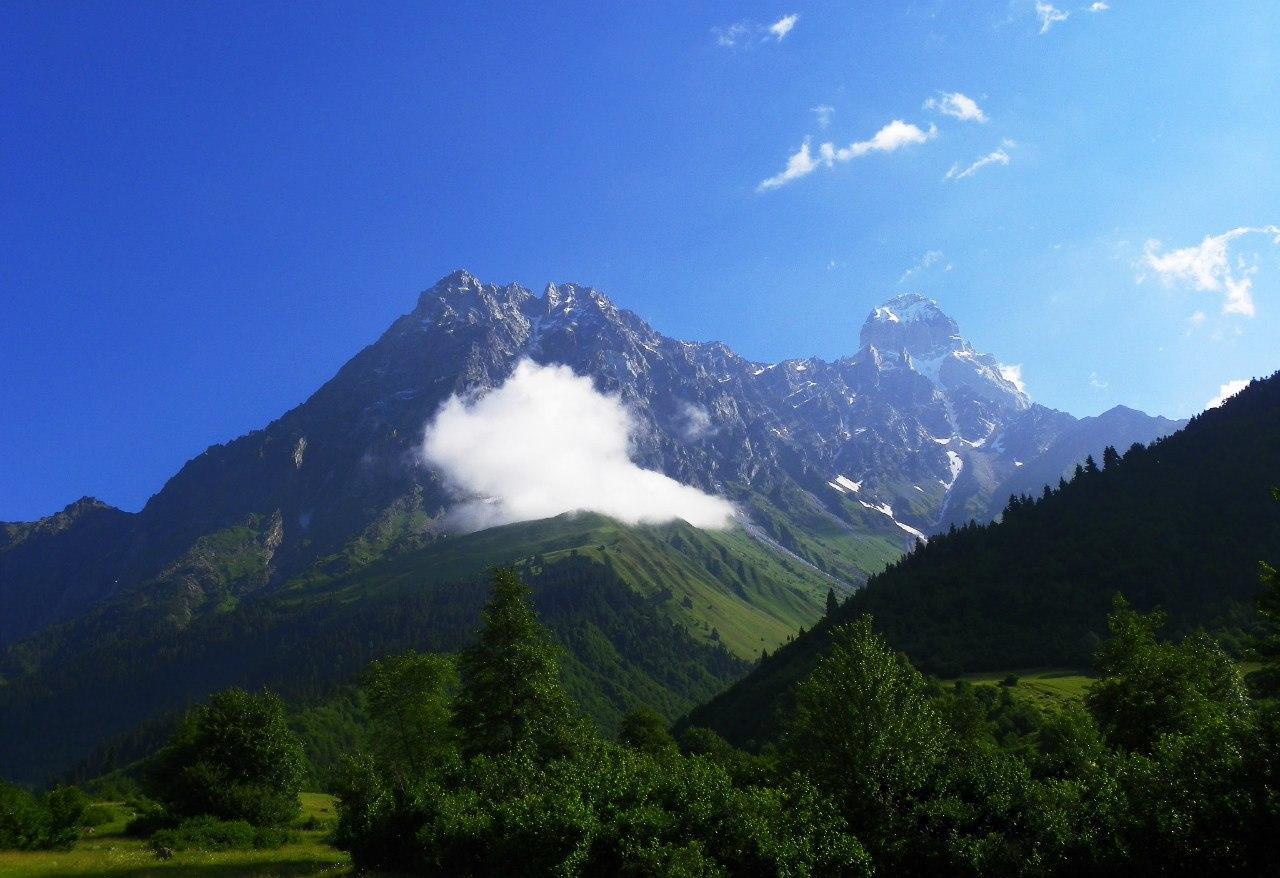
(843, 463)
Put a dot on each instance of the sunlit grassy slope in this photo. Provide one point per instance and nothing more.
(712, 582)
(107, 852)
(1046, 687)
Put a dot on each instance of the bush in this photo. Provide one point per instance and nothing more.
(31, 823)
(211, 834)
(148, 818)
(234, 758)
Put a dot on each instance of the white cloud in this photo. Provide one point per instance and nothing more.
(799, 164)
(744, 34)
(928, 259)
(1208, 267)
(547, 442)
(1049, 15)
(1099, 7)
(1013, 374)
(957, 106)
(995, 157)
(891, 137)
(824, 113)
(1226, 391)
(783, 26)
(731, 35)
(1097, 383)
(695, 422)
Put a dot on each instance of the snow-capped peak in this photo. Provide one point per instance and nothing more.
(906, 308)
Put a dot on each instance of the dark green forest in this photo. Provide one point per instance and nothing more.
(1177, 526)
(621, 651)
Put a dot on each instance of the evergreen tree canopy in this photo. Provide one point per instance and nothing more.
(511, 696)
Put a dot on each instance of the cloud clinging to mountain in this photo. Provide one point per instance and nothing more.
(547, 442)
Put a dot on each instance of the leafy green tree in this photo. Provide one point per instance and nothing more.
(645, 730)
(866, 731)
(511, 697)
(410, 700)
(234, 758)
(1148, 688)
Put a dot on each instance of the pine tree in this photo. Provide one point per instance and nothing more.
(832, 603)
(1110, 457)
(511, 696)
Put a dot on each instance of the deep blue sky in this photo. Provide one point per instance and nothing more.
(205, 209)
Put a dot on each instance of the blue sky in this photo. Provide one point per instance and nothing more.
(207, 208)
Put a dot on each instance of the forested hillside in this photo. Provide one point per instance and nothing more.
(640, 616)
(1180, 525)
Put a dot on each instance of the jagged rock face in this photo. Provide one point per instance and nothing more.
(922, 425)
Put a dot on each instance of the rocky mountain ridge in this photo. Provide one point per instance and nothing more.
(844, 463)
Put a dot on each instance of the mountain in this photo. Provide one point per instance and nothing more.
(295, 554)
(1119, 427)
(1180, 525)
(843, 463)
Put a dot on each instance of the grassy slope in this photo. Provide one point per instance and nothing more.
(752, 596)
(1043, 687)
(107, 852)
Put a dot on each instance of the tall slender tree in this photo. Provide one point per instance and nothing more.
(511, 696)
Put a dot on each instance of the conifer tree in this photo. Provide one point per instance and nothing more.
(511, 697)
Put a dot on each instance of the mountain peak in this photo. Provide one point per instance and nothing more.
(906, 308)
(913, 323)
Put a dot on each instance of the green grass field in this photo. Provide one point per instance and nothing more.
(1046, 687)
(107, 852)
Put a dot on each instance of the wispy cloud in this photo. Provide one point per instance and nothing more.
(995, 157)
(824, 112)
(1209, 267)
(1226, 391)
(1099, 6)
(1012, 372)
(746, 33)
(799, 164)
(780, 28)
(1049, 15)
(928, 260)
(890, 138)
(1097, 383)
(547, 442)
(957, 106)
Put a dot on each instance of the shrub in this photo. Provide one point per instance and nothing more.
(211, 834)
(234, 758)
(30, 823)
(148, 817)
